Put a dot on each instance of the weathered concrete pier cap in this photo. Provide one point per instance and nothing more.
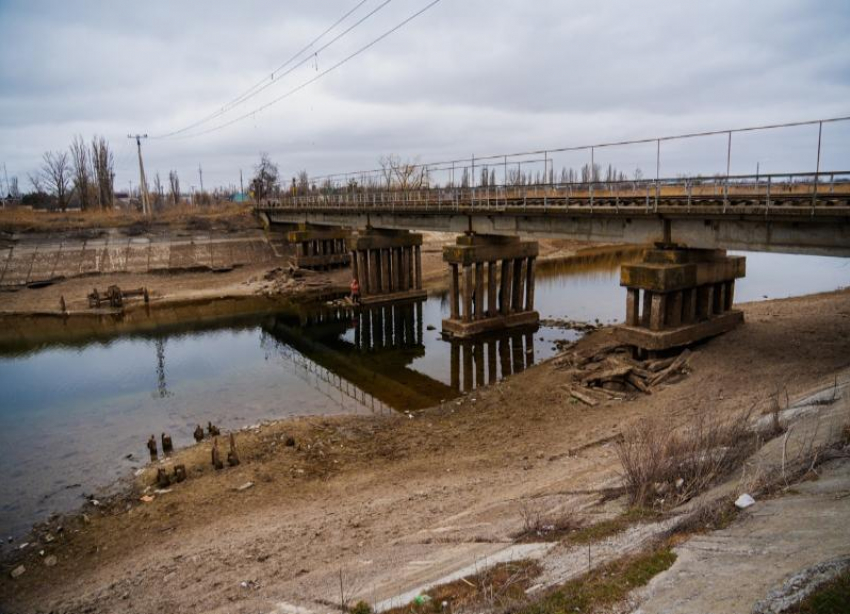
(679, 296)
(318, 247)
(510, 299)
(387, 264)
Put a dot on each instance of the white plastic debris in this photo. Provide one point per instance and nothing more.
(744, 501)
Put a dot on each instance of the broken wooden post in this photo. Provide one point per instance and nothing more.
(152, 448)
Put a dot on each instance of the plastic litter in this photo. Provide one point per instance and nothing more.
(744, 501)
(421, 599)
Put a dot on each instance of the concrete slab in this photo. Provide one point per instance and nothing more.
(677, 337)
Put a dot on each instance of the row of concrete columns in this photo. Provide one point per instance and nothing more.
(660, 310)
(389, 327)
(388, 270)
(483, 361)
(508, 285)
(321, 247)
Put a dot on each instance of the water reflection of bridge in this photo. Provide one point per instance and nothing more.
(370, 348)
(482, 361)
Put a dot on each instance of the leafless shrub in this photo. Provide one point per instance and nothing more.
(666, 467)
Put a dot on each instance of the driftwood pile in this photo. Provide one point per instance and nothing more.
(612, 373)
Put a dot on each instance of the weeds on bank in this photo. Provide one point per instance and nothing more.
(663, 467)
(605, 586)
(501, 586)
(832, 597)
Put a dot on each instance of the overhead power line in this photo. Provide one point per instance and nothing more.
(265, 83)
(499, 158)
(318, 76)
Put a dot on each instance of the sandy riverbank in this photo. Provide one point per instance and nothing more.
(390, 502)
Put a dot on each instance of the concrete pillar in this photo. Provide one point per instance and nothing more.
(355, 269)
(705, 304)
(529, 284)
(373, 272)
(719, 298)
(647, 308)
(689, 306)
(364, 272)
(659, 311)
(396, 269)
(492, 292)
(367, 329)
(467, 293)
(418, 255)
(507, 278)
(454, 292)
(730, 294)
(405, 269)
(516, 299)
(632, 306)
(479, 291)
(674, 306)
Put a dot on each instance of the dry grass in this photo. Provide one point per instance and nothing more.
(20, 220)
(602, 588)
(500, 587)
(664, 467)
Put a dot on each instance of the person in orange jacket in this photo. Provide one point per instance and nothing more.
(355, 291)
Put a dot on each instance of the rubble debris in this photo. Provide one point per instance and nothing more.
(115, 297)
(179, 473)
(216, 458)
(213, 430)
(744, 501)
(18, 571)
(167, 446)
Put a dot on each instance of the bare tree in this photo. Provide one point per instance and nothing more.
(404, 175)
(82, 176)
(56, 172)
(104, 174)
(158, 198)
(265, 181)
(303, 182)
(174, 187)
(36, 181)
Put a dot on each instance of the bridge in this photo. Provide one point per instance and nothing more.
(681, 292)
(802, 213)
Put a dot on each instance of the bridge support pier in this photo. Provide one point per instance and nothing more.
(388, 265)
(510, 300)
(676, 297)
(319, 248)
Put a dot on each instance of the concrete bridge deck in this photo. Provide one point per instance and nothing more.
(801, 213)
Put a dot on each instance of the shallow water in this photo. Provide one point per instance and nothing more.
(70, 414)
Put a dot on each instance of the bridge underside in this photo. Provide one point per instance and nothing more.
(819, 232)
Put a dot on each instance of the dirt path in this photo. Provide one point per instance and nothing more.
(389, 503)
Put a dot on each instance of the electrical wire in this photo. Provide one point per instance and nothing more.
(264, 84)
(318, 76)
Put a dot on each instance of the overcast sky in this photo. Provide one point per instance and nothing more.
(466, 77)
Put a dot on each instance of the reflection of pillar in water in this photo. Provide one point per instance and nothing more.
(467, 367)
(367, 329)
(388, 325)
(455, 366)
(162, 385)
(505, 356)
(529, 349)
(518, 358)
(358, 326)
(378, 324)
(398, 327)
(491, 361)
(419, 328)
(479, 364)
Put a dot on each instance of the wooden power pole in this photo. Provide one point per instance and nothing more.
(143, 184)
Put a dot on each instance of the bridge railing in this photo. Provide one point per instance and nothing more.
(734, 192)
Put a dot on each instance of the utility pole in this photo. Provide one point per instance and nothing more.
(241, 187)
(201, 177)
(143, 184)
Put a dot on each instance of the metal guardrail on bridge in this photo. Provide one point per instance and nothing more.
(793, 193)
